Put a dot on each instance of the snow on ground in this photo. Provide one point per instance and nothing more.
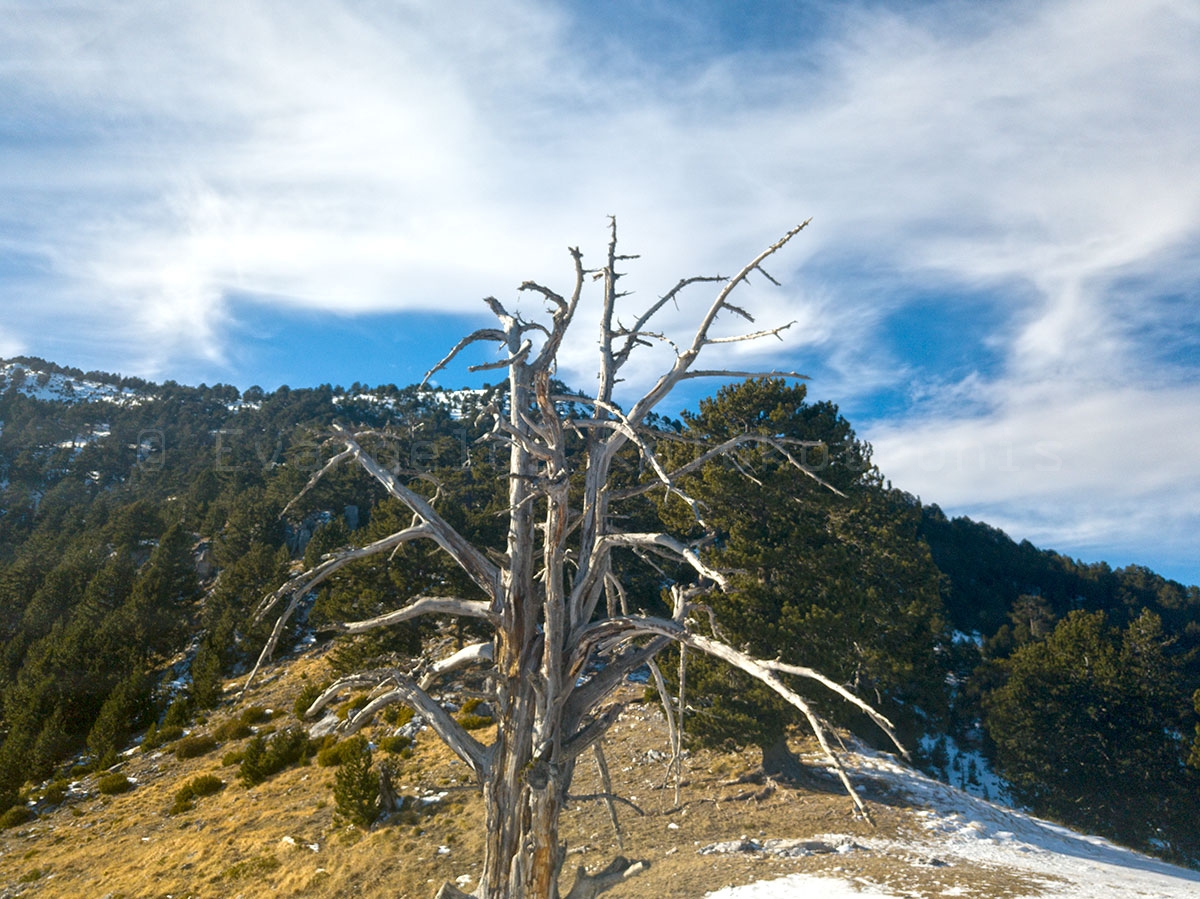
(969, 770)
(968, 829)
(801, 886)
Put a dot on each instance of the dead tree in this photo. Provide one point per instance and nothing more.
(543, 596)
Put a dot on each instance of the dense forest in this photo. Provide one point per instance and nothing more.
(140, 524)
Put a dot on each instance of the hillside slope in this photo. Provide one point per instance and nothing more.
(732, 832)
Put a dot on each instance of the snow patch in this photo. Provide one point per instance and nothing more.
(966, 769)
(962, 827)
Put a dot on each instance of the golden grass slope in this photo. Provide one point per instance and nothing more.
(281, 838)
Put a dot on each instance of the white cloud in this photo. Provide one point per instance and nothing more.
(1081, 472)
(9, 346)
(366, 157)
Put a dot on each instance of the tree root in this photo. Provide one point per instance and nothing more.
(588, 886)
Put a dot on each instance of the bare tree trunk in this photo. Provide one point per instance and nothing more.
(778, 760)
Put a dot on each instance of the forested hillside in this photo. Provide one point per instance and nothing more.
(140, 525)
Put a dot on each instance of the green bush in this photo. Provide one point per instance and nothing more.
(353, 705)
(334, 752)
(467, 717)
(233, 729)
(203, 785)
(306, 698)
(55, 792)
(288, 747)
(396, 744)
(254, 714)
(16, 816)
(195, 746)
(398, 715)
(112, 784)
(474, 722)
(253, 768)
(356, 788)
(252, 868)
(264, 757)
(157, 736)
(179, 713)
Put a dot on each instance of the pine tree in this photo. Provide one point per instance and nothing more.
(830, 572)
(1083, 729)
(127, 707)
(356, 788)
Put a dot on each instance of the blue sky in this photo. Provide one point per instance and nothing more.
(999, 286)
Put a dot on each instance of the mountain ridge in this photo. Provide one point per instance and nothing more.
(96, 470)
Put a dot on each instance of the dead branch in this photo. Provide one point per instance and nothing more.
(880, 720)
(588, 886)
(756, 668)
(669, 546)
(475, 654)
(684, 361)
(739, 338)
(304, 582)
(421, 605)
(608, 795)
(453, 734)
(470, 559)
(725, 450)
(488, 334)
(746, 375)
(595, 797)
(315, 479)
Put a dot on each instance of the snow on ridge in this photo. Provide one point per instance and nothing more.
(959, 827)
(59, 388)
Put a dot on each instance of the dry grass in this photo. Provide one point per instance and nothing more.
(281, 838)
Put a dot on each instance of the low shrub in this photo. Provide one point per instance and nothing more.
(264, 757)
(396, 744)
(468, 718)
(252, 868)
(252, 769)
(475, 722)
(195, 746)
(112, 784)
(333, 752)
(353, 705)
(16, 816)
(180, 712)
(56, 791)
(306, 698)
(255, 714)
(197, 787)
(233, 729)
(398, 715)
(288, 747)
(158, 736)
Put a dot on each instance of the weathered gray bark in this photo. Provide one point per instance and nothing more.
(542, 599)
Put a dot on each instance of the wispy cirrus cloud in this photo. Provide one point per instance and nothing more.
(1006, 201)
